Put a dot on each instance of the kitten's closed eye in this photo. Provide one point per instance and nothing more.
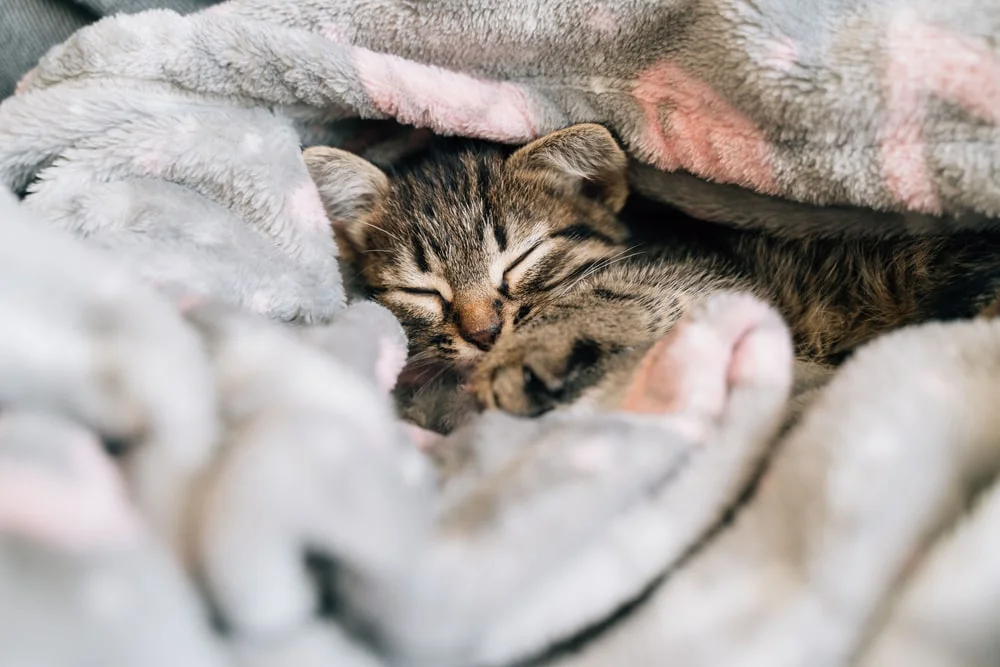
(516, 269)
(421, 297)
(420, 291)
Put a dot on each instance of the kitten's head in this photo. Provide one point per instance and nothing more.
(467, 243)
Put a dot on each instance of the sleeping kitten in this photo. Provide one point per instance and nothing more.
(514, 267)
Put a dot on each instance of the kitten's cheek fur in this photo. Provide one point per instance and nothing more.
(467, 358)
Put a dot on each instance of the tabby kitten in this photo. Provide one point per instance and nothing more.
(515, 268)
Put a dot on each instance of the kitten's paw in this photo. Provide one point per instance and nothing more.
(534, 376)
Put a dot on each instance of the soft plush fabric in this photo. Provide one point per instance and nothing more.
(262, 482)
(29, 28)
(883, 106)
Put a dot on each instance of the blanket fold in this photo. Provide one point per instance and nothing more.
(265, 473)
(890, 107)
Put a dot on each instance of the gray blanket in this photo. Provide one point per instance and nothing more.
(879, 106)
(29, 28)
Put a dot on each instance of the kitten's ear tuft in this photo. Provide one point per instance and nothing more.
(584, 155)
(349, 186)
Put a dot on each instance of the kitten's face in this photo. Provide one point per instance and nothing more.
(468, 244)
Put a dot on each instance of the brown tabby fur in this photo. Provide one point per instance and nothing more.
(522, 269)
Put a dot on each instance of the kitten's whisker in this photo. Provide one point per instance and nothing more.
(426, 352)
(422, 358)
(428, 382)
(383, 230)
(600, 266)
(591, 272)
(419, 365)
(554, 298)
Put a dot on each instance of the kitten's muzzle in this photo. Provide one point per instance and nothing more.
(479, 324)
(484, 338)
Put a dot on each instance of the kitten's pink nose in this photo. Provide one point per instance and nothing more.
(479, 324)
(484, 338)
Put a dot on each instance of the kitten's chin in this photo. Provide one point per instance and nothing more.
(466, 361)
(458, 372)
(432, 394)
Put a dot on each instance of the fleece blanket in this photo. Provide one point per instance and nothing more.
(182, 482)
(861, 107)
(199, 462)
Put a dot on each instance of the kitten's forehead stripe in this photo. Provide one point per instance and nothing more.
(427, 208)
(419, 254)
(434, 246)
(482, 170)
(488, 214)
(500, 234)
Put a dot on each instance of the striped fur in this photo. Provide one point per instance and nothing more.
(536, 242)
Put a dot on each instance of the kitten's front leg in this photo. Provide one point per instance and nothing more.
(555, 357)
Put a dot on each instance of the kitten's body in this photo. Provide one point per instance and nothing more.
(516, 269)
(834, 293)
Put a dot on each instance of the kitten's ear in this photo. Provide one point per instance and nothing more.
(349, 186)
(584, 155)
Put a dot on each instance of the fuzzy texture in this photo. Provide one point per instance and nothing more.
(153, 193)
(884, 107)
(107, 352)
(824, 563)
(82, 581)
(31, 27)
(689, 525)
(710, 535)
(198, 403)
